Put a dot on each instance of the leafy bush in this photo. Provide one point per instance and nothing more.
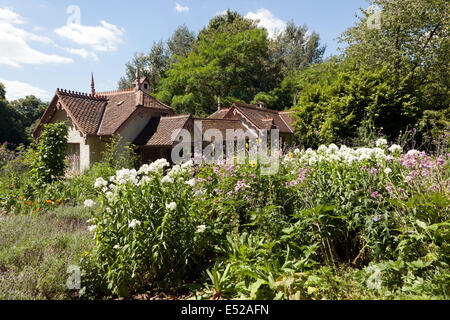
(49, 163)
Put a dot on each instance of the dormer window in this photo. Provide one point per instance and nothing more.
(260, 104)
(145, 86)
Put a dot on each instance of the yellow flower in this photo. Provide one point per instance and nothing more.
(253, 164)
(86, 253)
(291, 155)
(21, 198)
(311, 290)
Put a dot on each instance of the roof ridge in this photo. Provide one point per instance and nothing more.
(152, 97)
(254, 107)
(176, 116)
(82, 95)
(118, 91)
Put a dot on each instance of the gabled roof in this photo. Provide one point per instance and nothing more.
(260, 118)
(162, 135)
(104, 113)
(222, 125)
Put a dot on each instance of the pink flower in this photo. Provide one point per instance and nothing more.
(375, 195)
(389, 188)
(373, 171)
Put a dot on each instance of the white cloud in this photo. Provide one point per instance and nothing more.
(180, 8)
(85, 54)
(17, 89)
(104, 37)
(267, 20)
(14, 48)
(7, 15)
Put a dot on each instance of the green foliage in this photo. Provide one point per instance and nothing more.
(225, 65)
(414, 49)
(49, 163)
(154, 64)
(334, 106)
(297, 48)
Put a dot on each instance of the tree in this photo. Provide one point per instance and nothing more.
(297, 48)
(226, 64)
(333, 106)
(11, 129)
(151, 66)
(154, 64)
(30, 110)
(180, 43)
(412, 40)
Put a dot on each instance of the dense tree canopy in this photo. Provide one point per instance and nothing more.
(235, 59)
(162, 54)
(18, 117)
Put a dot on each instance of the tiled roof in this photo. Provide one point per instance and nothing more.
(220, 114)
(165, 128)
(122, 105)
(263, 118)
(288, 117)
(105, 112)
(86, 111)
(222, 125)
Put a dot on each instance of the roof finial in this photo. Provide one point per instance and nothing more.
(92, 85)
(219, 105)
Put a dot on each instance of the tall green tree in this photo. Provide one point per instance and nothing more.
(297, 48)
(154, 64)
(229, 59)
(181, 42)
(334, 105)
(30, 110)
(11, 129)
(411, 39)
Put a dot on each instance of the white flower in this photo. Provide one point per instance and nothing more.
(381, 142)
(99, 183)
(92, 228)
(166, 179)
(116, 246)
(191, 182)
(395, 147)
(187, 164)
(200, 193)
(89, 203)
(109, 195)
(413, 152)
(387, 170)
(201, 228)
(297, 151)
(134, 223)
(171, 206)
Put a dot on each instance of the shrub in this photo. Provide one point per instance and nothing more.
(49, 163)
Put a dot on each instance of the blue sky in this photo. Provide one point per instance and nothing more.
(44, 46)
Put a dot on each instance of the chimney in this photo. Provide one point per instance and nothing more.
(138, 79)
(92, 85)
(219, 105)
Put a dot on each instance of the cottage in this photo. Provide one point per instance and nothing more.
(144, 121)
